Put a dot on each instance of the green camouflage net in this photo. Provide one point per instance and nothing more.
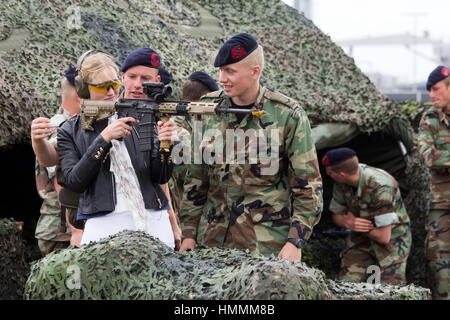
(14, 269)
(414, 110)
(133, 265)
(18, 107)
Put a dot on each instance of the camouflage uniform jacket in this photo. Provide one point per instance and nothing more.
(377, 199)
(244, 204)
(48, 224)
(179, 171)
(434, 148)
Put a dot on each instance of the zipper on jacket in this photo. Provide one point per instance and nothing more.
(156, 194)
(159, 201)
(113, 189)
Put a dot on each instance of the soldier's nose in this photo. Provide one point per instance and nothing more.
(222, 78)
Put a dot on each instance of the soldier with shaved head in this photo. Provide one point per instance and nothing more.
(367, 201)
(267, 203)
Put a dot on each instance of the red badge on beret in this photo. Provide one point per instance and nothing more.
(155, 60)
(325, 161)
(445, 72)
(238, 52)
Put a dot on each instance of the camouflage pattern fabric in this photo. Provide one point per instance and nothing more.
(245, 208)
(377, 199)
(434, 148)
(437, 244)
(47, 228)
(356, 260)
(176, 187)
(180, 170)
(176, 183)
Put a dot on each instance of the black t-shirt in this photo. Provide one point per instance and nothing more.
(241, 116)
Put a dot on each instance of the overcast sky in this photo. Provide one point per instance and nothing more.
(350, 19)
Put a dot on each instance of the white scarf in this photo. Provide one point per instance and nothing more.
(127, 182)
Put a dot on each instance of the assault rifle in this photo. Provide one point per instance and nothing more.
(149, 111)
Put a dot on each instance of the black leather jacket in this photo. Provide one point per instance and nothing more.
(85, 163)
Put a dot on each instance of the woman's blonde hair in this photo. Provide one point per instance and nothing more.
(96, 62)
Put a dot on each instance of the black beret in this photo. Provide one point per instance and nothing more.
(336, 156)
(438, 74)
(164, 75)
(235, 49)
(141, 57)
(71, 74)
(204, 78)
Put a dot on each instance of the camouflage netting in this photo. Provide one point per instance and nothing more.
(414, 110)
(13, 267)
(39, 40)
(301, 61)
(133, 265)
(19, 106)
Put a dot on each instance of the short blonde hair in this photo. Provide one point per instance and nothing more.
(94, 63)
(447, 81)
(255, 58)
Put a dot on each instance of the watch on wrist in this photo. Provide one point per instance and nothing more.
(299, 243)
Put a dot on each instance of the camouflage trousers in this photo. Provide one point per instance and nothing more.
(47, 246)
(356, 265)
(437, 244)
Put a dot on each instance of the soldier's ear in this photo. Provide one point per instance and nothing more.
(256, 71)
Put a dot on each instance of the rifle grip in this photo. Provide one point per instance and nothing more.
(164, 145)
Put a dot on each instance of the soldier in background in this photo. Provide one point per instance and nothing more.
(268, 208)
(434, 148)
(43, 138)
(198, 84)
(367, 200)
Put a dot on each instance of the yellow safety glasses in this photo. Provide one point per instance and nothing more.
(104, 86)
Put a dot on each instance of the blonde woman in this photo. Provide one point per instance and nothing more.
(119, 185)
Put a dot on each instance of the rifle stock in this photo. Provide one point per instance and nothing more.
(95, 111)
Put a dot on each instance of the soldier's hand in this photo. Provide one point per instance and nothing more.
(290, 252)
(358, 224)
(118, 129)
(41, 128)
(187, 244)
(168, 131)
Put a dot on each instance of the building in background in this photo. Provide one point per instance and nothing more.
(390, 85)
(399, 52)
